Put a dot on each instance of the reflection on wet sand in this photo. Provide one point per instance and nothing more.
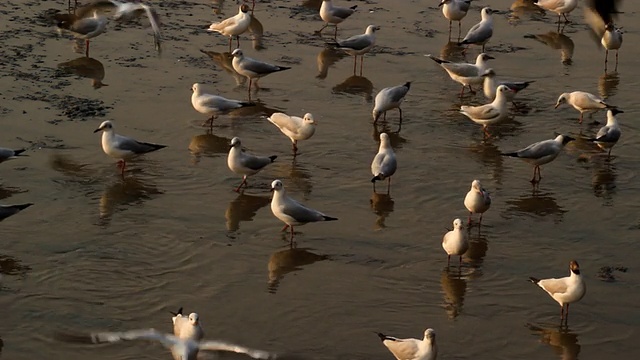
(244, 208)
(12, 266)
(86, 67)
(451, 51)
(608, 84)
(208, 144)
(478, 247)
(326, 58)
(604, 177)
(382, 206)
(256, 29)
(396, 140)
(520, 8)
(563, 342)
(7, 191)
(69, 167)
(224, 61)
(454, 287)
(557, 41)
(356, 85)
(217, 5)
(488, 154)
(299, 177)
(538, 204)
(122, 193)
(285, 261)
(312, 4)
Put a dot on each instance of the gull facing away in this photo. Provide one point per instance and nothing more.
(611, 40)
(8, 154)
(294, 128)
(213, 105)
(489, 114)
(490, 86)
(245, 164)
(251, 68)
(464, 73)
(560, 7)
(564, 290)
(8, 210)
(456, 241)
(384, 164)
(412, 349)
(455, 10)
(84, 28)
(234, 26)
(583, 101)
(477, 200)
(358, 45)
(481, 32)
(334, 15)
(540, 153)
(608, 135)
(291, 212)
(187, 327)
(122, 147)
(390, 98)
(183, 349)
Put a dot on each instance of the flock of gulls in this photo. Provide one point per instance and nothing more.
(87, 22)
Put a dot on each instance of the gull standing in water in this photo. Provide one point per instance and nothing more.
(464, 73)
(122, 147)
(187, 327)
(384, 164)
(412, 349)
(252, 68)
(582, 101)
(358, 45)
(213, 105)
(564, 290)
(490, 86)
(245, 164)
(390, 98)
(481, 32)
(85, 28)
(477, 200)
(611, 40)
(560, 7)
(291, 212)
(8, 154)
(608, 135)
(294, 128)
(334, 15)
(455, 242)
(489, 114)
(540, 153)
(234, 26)
(455, 10)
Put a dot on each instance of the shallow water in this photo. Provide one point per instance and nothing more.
(97, 252)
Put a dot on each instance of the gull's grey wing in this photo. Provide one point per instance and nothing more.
(300, 212)
(84, 26)
(254, 162)
(484, 112)
(357, 42)
(553, 286)
(342, 12)
(478, 34)
(539, 150)
(6, 154)
(608, 134)
(402, 349)
(461, 69)
(465, 5)
(258, 67)
(154, 20)
(516, 85)
(214, 345)
(218, 102)
(137, 147)
(397, 93)
(144, 334)
(8, 210)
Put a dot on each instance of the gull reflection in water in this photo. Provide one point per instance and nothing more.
(604, 177)
(488, 154)
(451, 51)
(382, 206)
(285, 261)
(123, 193)
(563, 342)
(86, 67)
(454, 287)
(557, 41)
(356, 85)
(520, 8)
(299, 177)
(224, 60)
(539, 204)
(326, 58)
(396, 140)
(608, 84)
(478, 247)
(208, 145)
(244, 208)
(12, 266)
(217, 6)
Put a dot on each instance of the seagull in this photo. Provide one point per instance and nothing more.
(490, 86)
(291, 212)
(294, 128)
(489, 114)
(583, 102)
(234, 26)
(8, 154)
(384, 164)
(251, 68)
(611, 40)
(565, 290)
(455, 10)
(540, 153)
(455, 242)
(187, 327)
(608, 135)
(183, 349)
(481, 32)
(412, 349)
(212, 105)
(477, 200)
(122, 147)
(334, 14)
(245, 164)
(465, 73)
(390, 98)
(8, 210)
(84, 28)
(598, 13)
(560, 7)
(358, 45)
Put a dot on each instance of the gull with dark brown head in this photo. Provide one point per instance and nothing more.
(234, 26)
(566, 290)
(540, 153)
(608, 135)
(412, 349)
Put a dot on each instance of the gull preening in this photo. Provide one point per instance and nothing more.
(358, 45)
(84, 28)
(609, 134)
(245, 164)
(8, 154)
(540, 153)
(490, 86)
(390, 98)
(583, 101)
(295, 128)
(384, 164)
(9, 210)
(187, 327)
(291, 212)
(465, 73)
(564, 290)
(334, 15)
(412, 349)
(212, 105)
(477, 200)
(611, 40)
(252, 68)
(455, 10)
(489, 114)
(481, 32)
(121, 147)
(456, 241)
(234, 26)
(560, 7)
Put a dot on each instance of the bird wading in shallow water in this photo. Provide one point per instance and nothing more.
(564, 290)
(412, 349)
(540, 153)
